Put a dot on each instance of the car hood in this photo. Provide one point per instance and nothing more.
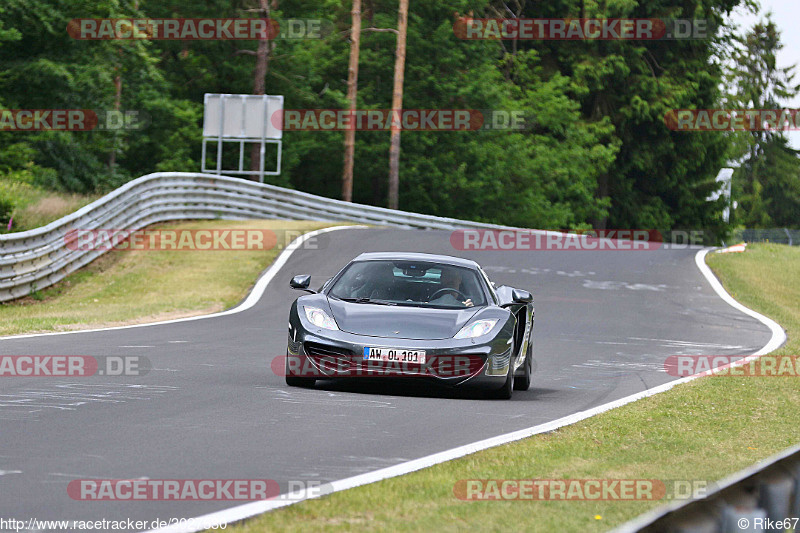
(399, 322)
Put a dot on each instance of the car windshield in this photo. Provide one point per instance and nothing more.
(413, 283)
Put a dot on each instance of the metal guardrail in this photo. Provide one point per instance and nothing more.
(774, 235)
(35, 259)
(748, 501)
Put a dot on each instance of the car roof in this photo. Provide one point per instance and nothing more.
(415, 256)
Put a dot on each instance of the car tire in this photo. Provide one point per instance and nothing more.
(294, 381)
(523, 382)
(306, 383)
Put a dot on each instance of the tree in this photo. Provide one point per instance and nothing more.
(265, 45)
(352, 94)
(767, 187)
(768, 174)
(594, 150)
(397, 104)
(46, 68)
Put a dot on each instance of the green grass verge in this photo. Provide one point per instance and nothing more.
(35, 207)
(703, 430)
(128, 287)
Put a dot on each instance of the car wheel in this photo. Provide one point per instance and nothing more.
(300, 382)
(523, 382)
(294, 381)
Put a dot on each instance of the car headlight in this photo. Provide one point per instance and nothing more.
(320, 318)
(476, 329)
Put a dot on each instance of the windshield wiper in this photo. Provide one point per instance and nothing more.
(366, 301)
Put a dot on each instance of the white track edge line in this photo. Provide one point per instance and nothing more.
(778, 334)
(254, 296)
(248, 510)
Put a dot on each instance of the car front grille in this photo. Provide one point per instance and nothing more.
(330, 358)
(322, 350)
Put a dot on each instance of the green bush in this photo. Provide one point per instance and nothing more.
(6, 209)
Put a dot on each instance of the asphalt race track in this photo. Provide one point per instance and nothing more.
(211, 408)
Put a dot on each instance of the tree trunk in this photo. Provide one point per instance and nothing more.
(112, 157)
(603, 185)
(599, 223)
(352, 92)
(397, 105)
(260, 81)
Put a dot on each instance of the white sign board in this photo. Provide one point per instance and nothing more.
(243, 116)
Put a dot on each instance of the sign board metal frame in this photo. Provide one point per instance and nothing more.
(724, 182)
(244, 119)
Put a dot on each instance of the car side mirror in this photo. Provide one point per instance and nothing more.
(521, 297)
(301, 283)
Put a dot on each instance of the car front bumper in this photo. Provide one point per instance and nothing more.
(325, 354)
